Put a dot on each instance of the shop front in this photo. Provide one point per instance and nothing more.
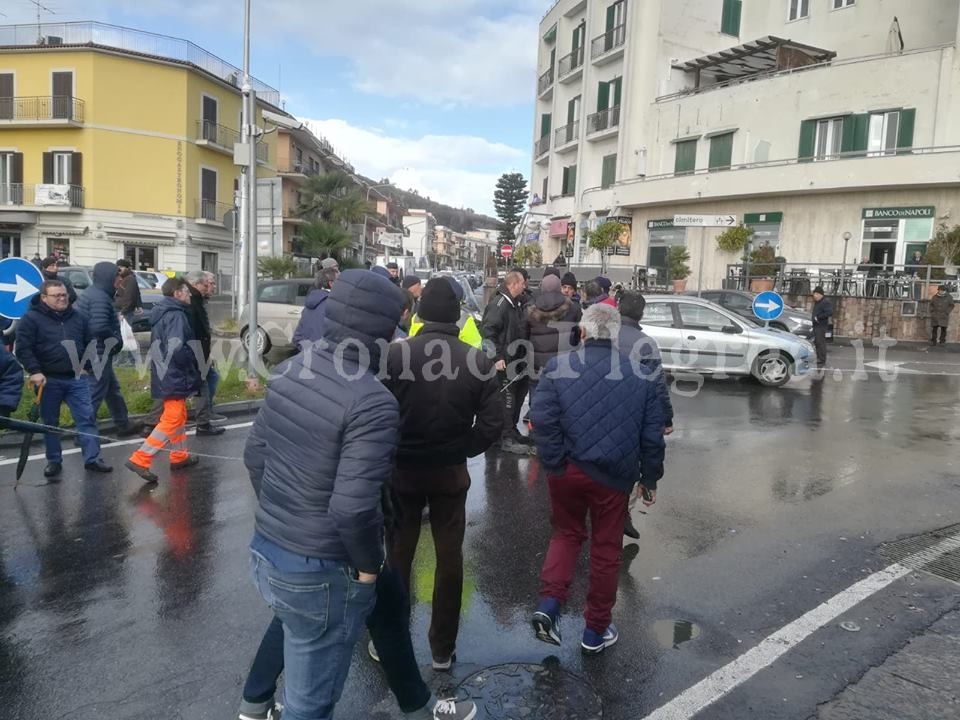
(892, 235)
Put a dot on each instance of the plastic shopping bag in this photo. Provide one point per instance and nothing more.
(130, 343)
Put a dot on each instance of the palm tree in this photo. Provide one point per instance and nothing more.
(325, 239)
(333, 198)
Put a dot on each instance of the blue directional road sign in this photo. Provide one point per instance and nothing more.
(768, 306)
(20, 280)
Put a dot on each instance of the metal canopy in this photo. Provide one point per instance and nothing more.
(768, 54)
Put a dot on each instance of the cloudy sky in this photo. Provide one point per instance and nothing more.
(434, 94)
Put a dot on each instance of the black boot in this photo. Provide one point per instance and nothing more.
(628, 529)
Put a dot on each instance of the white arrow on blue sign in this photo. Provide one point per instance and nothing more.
(20, 280)
(768, 306)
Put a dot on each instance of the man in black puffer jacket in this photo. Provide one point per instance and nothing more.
(174, 376)
(551, 326)
(320, 451)
(11, 382)
(450, 410)
(96, 304)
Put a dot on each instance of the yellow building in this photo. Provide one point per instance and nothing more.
(119, 143)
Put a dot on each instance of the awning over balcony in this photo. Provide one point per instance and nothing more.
(766, 55)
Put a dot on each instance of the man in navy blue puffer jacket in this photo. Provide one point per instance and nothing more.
(96, 303)
(11, 382)
(320, 451)
(598, 424)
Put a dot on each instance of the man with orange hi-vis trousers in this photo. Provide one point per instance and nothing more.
(174, 376)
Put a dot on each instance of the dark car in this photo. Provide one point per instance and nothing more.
(741, 303)
(82, 278)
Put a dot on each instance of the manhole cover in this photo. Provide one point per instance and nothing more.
(936, 552)
(534, 692)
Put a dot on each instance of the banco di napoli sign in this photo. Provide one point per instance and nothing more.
(897, 213)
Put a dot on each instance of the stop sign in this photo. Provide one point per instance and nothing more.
(506, 251)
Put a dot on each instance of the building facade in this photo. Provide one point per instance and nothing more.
(804, 119)
(118, 143)
(419, 230)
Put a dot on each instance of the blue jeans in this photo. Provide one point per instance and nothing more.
(76, 394)
(204, 401)
(107, 388)
(323, 609)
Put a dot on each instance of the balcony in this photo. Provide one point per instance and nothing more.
(58, 111)
(211, 212)
(567, 138)
(55, 198)
(545, 85)
(603, 124)
(609, 46)
(216, 137)
(299, 171)
(570, 68)
(541, 149)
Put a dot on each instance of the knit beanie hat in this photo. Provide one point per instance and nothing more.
(604, 283)
(550, 284)
(409, 281)
(569, 279)
(551, 271)
(438, 302)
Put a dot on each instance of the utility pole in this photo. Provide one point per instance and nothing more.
(246, 156)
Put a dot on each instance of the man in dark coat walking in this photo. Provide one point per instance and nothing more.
(128, 301)
(96, 304)
(11, 382)
(203, 285)
(310, 327)
(174, 376)
(45, 337)
(49, 268)
(550, 324)
(447, 414)
(822, 313)
(941, 305)
(599, 433)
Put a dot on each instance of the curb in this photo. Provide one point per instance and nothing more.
(918, 346)
(12, 440)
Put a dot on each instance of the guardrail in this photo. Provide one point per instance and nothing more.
(608, 42)
(213, 211)
(542, 146)
(20, 195)
(566, 134)
(603, 120)
(220, 135)
(545, 81)
(570, 62)
(41, 108)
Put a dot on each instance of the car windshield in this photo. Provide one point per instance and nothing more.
(143, 284)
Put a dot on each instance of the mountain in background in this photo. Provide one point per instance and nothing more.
(457, 219)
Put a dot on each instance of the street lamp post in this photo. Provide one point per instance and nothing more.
(249, 196)
(843, 265)
(366, 216)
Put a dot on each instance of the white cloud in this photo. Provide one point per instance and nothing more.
(458, 170)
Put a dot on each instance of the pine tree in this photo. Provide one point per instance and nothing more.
(509, 199)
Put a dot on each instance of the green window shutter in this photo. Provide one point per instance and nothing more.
(908, 120)
(730, 20)
(608, 175)
(861, 133)
(686, 161)
(565, 182)
(721, 151)
(617, 86)
(544, 124)
(577, 39)
(808, 139)
(572, 179)
(611, 17)
(572, 110)
(603, 96)
(848, 134)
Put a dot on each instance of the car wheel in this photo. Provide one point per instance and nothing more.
(262, 340)
(772, 369)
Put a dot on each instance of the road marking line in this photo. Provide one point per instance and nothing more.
(115, 443)
(715, 686)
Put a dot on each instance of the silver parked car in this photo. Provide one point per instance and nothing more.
(696, 335)
(279, 308)
(741, 302)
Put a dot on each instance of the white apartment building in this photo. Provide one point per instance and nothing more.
(419, 228)
(804, 119)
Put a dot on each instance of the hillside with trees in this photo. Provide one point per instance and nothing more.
(457, 219)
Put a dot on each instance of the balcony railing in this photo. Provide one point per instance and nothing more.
(545, 81)
(542, 146)
(41, 109)
(220, 135)
(297, 169)
(43, 196)
(213, 211)
(608, 42)
(569, 63)
(604, 120)
(567, 134)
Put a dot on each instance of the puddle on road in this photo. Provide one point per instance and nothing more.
(672, 634)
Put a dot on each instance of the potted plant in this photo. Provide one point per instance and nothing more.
(605, 237)
(735, 239)
(677, 257)
(763, 268)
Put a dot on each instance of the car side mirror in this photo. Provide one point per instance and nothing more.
(732, 330)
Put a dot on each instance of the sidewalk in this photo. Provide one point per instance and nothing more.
(919, 681)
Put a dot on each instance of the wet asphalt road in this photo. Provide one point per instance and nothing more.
(119, 603)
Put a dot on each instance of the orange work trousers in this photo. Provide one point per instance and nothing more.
(171, 430)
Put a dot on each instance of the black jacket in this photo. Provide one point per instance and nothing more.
(96, 304)
(448, 411)
(822, 312)
(940, 308)
(323, 445)
(41, 335)
(11, 381)
(644, 352)
(500, 326)
(200, 321)
(174, 371)
(71, 291)
(128, 296)
(550, 324)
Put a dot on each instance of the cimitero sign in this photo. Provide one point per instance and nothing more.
(899, 213)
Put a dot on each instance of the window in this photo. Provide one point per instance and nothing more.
(883, 133)
(721, 151)
(303, 289)
(209, 262)
(142, 257)
(62, 163)
(210, 118)
(616, 15)
(6, 96)
(545, 120)
(658, 313)
(569, 185)
(738, 303)
(698, 317)
(838, 4)
(58, 248)
(608, 94)
(208, 194)
(828, 139)
(799, 9)
(62, 168)
(62, 93)
(275, 294)
(730, 20)
(11, 178)
(686, 160)
(608, 174)
(546, 189)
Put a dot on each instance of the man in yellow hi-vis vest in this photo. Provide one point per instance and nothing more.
(469, 332)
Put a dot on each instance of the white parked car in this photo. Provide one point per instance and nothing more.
(695, 335)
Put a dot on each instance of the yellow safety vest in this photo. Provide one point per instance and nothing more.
(469, 332)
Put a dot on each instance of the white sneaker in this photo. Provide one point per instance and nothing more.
(444, 665)
(450, 710)
(372, 651)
